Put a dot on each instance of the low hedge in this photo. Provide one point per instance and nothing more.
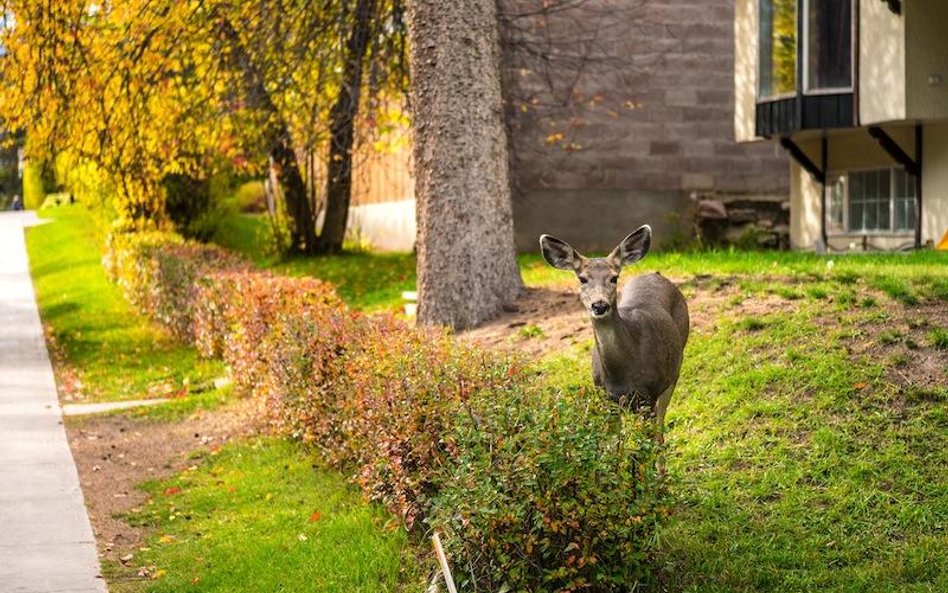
(534, 490)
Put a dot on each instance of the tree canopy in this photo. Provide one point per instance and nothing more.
(143, 89)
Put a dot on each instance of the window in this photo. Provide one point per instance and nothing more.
(876, 201)
(828, 45)
(778, 47)
(903, 195)
(836, 202)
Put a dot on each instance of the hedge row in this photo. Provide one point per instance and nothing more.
(534, 489)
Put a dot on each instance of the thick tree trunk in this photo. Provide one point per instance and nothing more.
(278, 141)
(342, 120)
(467, 265)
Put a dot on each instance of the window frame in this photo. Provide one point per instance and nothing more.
(847, 230)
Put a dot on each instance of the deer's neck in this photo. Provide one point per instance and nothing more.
(615, 343)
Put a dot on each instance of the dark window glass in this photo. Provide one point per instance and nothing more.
(778, 47)
(904, 199)
(829, 44)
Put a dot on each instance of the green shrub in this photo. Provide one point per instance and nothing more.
(159, 274)
(403, 389)
(533, 491)
(129, 262)
(550, 494)
(194, 205)
(251, 197)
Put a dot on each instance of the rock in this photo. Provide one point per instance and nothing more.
(741, 215)
(712, 209)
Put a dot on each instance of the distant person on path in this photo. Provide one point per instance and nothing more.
(17, 202)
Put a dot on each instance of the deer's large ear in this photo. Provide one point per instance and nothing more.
(558, 254)
(633, 247)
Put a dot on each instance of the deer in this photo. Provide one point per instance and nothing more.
(640, 337)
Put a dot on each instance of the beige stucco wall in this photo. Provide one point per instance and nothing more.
(804, 205)
(745, 69)
(853, 150)
(881, 63)
(935, 182)
(926, 69)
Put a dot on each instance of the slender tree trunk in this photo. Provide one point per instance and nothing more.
(279, 144)
(467, 265)
(283, 159)
(342, 120)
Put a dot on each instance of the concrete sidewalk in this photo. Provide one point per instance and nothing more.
(46, 541)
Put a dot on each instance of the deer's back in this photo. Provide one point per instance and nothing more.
(657, 295)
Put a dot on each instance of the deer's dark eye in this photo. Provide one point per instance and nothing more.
(614, 279)
(583, 280)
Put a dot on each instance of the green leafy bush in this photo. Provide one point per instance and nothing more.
(404, 390)
(159, 273)
(533, 491)
(192, 206)
(251, 197)
(254, 311)
(550, 494)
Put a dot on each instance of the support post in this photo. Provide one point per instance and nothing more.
(824, 160)
(443, 561)
(918, 186)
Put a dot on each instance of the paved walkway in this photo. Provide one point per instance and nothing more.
(46, 542)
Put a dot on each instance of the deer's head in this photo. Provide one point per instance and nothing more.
(598, 276)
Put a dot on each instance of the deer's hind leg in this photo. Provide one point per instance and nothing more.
(661, 406)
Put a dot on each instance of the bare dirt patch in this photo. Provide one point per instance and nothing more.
(541, 320)
(903, 344)
(546, 320)
(114, 453)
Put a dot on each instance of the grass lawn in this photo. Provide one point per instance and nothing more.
(376, 281)
(102, 349)
(802, 458)
(254, 516)
(802, 462)
(367, 281)
(260, 516)
(806, 447)
(246, 234)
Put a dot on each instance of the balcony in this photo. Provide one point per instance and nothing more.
(805, 61)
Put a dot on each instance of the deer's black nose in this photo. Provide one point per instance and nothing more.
(600, 308)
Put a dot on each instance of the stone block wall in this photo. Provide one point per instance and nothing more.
(618, 111)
